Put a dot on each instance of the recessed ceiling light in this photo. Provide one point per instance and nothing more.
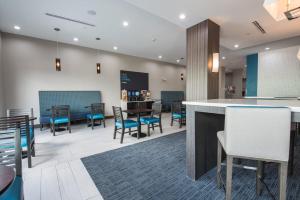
(160, 57)
(267, 48)
(17, 27)
(98, 38)
(75, 39)
(236, 46)
(182, 16)
(125, 23)
(115, 48)
(223, 57)
(178, 61)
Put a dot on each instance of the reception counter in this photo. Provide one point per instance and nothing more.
(205, 118)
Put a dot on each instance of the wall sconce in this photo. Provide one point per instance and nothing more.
(98, 67)
(298, 55)
(57, 64)
(216, 62)
(181, 76)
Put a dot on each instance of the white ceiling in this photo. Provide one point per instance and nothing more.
(147, 19)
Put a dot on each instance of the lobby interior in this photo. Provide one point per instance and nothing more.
(149, 99)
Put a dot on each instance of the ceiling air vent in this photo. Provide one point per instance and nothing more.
(69, 19)
(259, 27)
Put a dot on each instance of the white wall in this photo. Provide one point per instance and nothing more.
(29, 67)
(1, 80)
(279, 73)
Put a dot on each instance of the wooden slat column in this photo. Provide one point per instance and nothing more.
(203, 40)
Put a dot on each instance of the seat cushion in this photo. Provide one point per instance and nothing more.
(60, 120)
(128, 123)
(14, 191)
(149, 120)
(221, 138)
(95, 116)
(178, 115)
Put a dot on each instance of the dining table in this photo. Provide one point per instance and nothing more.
(137, 112)
(7, 175)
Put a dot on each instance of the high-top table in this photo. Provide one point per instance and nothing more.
(205, 118)
(7, 175)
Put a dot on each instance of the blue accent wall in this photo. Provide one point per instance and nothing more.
(252, 72)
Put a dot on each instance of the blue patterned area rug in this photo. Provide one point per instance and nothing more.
(156, 169)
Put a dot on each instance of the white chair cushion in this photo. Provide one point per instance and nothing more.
(258, 132)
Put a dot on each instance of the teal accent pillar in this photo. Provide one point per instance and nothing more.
(252, 73)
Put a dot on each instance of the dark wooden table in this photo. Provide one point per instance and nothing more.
(7, 175)
(138, 113)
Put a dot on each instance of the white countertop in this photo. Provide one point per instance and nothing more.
(294, 105)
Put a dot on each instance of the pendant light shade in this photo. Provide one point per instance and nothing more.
(298, 55)
(57, 59)
(98, 67)
(57, 64)
(278, 8)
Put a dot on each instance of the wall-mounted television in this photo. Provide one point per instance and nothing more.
(134, 81)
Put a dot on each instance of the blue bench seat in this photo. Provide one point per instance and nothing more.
(179, 116)
(60, 120)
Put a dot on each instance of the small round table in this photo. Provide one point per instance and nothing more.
(7, 175)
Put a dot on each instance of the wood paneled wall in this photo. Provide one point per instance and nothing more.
(203, 40)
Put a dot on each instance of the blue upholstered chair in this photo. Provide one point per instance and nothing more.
(60, 116)
(121, 124)
(27, 134)
(154, 120)
(97, 114)
(11, 155)
(178, 113)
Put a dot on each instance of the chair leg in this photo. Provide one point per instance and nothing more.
(160, 127)
(53, 129)
(115, 132)
(69, 127)
(283, 170)
(148, 129)
(219, 161)
(33, 149)
(229, 177)
(122, 136)
(92, 120)
(172, 121)
(153, 127)
(41, 127)
(129, 131)
(104, 123)
(180, 123)
(259, 176)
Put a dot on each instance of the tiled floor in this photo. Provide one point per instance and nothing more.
(58, 173)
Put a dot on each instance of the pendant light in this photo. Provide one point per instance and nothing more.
(298, 55)
(57, 59)
(98, 65)
(216, 62)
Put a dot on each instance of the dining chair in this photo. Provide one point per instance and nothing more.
(11, 156)
(178, 114)
(60, 116)
(11, 123)
(31, 143)
(97, 114)
(154, 120)
(255, 133)
(121, 124)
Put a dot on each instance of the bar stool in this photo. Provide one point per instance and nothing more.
(255, 133)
